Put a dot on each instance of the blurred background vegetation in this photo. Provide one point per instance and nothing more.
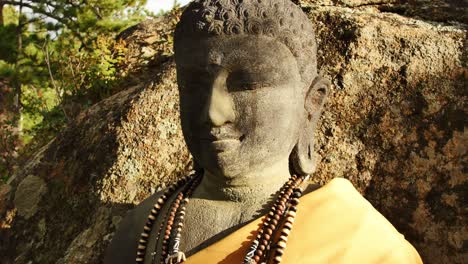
(57, 58)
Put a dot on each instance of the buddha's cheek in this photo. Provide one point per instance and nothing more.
(269, 118)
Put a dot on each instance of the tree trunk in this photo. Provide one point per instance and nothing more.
(17, 79)
(1, 13)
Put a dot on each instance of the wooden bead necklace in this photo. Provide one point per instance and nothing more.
(268, 246)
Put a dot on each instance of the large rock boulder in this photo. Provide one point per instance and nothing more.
(396, 121)
(393, 125)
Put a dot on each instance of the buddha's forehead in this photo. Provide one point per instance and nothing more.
(260, 52)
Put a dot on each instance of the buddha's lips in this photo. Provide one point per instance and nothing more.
(221, 134)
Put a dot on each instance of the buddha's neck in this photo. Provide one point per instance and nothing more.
(251, 187)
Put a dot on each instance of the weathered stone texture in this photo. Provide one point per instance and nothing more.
(394, 125)
(28, 195)
(117, 153)
(396, 121)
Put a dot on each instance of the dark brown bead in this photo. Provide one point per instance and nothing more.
(287, 225)
(296, 195)
(279, 252)
(294, 201)
(256, 258)
(274, 221)
(272, 227)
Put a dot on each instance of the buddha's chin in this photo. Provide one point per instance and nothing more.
(225, 164)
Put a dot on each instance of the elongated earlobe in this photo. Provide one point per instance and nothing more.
(302, 157)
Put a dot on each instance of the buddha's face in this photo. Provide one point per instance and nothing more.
(242, 102)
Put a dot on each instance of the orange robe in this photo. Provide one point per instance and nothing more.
(334, 224)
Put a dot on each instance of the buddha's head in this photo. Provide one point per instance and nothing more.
(250, 95)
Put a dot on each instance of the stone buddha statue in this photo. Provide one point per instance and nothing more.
(250, 98)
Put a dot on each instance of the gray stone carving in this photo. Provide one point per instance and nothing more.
(250, 98)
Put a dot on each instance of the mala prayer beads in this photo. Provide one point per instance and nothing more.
(268, 246)
(263, 248)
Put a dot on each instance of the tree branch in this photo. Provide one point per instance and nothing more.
(67, 22)
(45, 49)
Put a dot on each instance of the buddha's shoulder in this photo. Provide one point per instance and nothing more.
(337, 188)
(352, 224)
(122, 248)
(345, 209)
(337, 196)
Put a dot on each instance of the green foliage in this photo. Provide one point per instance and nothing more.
(8, 43)
(6, 69)
(68, 60)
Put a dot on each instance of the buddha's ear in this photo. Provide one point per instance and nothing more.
(315, 98)
(302, 158)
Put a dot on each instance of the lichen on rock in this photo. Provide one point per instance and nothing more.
(28, 195)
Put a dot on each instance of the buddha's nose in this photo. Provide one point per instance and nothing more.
(220, 107)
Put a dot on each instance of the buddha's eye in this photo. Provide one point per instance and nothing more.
(245, 81)
(251, 85)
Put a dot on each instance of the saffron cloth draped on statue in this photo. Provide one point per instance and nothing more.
(334, 224)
